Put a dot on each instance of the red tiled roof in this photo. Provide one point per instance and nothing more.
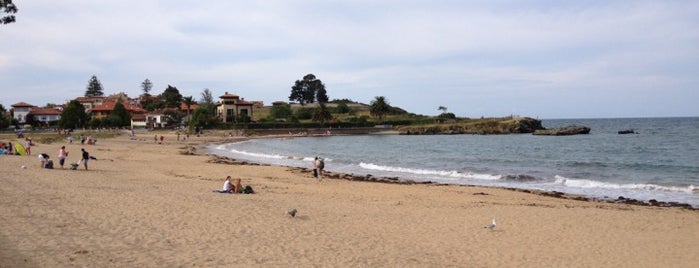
(108, 105)
(229, 96)
(138, 117)
(22, 104)
(44, 111)
(161, 111)
(192, 107)
(89, 99)
(244, 103)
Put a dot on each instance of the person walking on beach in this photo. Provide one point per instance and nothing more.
(62, 154)
(86, 157)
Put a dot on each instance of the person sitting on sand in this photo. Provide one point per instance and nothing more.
(238, 188)
(227, 186)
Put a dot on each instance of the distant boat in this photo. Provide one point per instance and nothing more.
(627, 131)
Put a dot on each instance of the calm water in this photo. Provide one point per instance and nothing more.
(660, 162)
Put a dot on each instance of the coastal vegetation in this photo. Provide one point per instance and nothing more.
(309, 108)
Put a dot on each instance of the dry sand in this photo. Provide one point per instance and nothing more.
(147, 205)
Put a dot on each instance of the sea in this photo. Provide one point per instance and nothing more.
(659, 161)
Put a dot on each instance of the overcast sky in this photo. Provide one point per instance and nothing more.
(545, 59)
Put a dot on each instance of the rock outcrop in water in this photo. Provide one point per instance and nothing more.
(506, 125)
(563, 131)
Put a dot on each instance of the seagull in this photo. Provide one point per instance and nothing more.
(292, 212)
(492, 225)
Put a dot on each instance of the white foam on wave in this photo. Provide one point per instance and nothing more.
(450, 174)
(582, 183)
(259, 155)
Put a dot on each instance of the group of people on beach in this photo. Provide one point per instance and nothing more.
(46, 162)
(237, 188)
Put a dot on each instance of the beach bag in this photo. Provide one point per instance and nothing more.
(321, 163)
(49, 164)
(248, 190)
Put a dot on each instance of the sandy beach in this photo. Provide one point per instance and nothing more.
(144, 204)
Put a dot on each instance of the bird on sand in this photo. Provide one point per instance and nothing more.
(292, 212)
(492, 225)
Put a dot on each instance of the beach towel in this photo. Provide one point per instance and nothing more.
(222, 192)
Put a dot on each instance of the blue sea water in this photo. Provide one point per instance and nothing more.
(660, 162)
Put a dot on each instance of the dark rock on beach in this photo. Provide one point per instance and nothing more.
(563, 131)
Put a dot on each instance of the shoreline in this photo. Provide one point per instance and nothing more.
(151, 205)
(398, 180)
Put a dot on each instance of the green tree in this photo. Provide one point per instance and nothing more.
(120, 116)
(322, 114)
(379, 107)
(342, 108)
(6, 6)
(280, 111)
(146, 86)
(203, 117)
(5, 120)
(173, 117)
(94, 87)
(304, 113)
(74, 116)
(171, 97)
(188, 101)
(442, 108)
(321, 94)
(308, 90)
(207, 97)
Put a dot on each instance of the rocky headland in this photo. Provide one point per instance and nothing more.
(505, 125)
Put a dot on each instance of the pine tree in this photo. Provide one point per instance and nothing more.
(94, 88)
(146, 86)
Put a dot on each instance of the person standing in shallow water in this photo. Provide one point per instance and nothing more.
(86, 157)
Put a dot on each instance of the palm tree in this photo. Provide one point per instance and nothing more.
(188, 101)
(379, 107)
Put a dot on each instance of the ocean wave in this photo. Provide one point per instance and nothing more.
(582, 183)
(269, 156)
(260, 155)
(451, 174)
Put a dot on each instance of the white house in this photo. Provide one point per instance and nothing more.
(45, 115)
(21, 110)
